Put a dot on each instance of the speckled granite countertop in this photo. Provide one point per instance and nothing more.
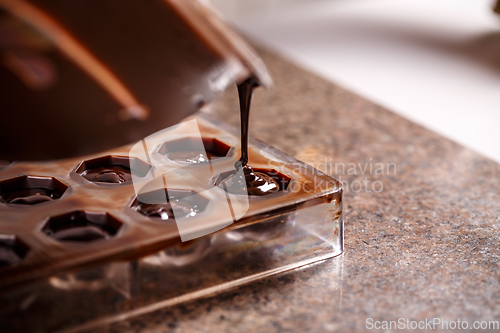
(424, 246)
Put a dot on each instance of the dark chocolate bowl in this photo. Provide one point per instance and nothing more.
(83, 76)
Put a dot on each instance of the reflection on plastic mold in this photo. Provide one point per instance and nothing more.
(112, 169)
(115, 275)
(81, 226)
(31, 190)
(12, 250)
(181, 254)
(259, 232)
(87, 280)
(186, 150)
(185, 202)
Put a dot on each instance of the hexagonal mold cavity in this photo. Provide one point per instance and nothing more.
(152, 204)
(12, 250)
(82, 226)
(31, 190)
(185, 150)
(112, 169)
(280, 178)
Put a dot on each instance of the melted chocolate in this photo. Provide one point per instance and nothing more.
(190, 157)
(257, 183)
(245, 92)
(116, 174)
(81, 226)
(31, 196)
(86, 233)
(161, 211)
(165, 212)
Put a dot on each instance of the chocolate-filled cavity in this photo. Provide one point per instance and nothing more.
(12, 250)
(187, 150)
(112, 169)
(31, 190)
(115, 174)
(161, 204)
(259, 183)
(82, 226)
(256, 182)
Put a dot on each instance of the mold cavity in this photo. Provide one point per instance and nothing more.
(81, 226)
(185, 202)
(258, 181)
(112, 169)
(31, 190)
(186, 150)
(12, 250)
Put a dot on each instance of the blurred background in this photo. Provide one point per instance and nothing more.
(436, 62)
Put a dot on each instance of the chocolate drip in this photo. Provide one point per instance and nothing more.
(245, 92)
(257, 183)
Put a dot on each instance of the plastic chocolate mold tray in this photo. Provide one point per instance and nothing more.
(76, 252)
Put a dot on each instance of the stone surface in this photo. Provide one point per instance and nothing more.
(425, 246)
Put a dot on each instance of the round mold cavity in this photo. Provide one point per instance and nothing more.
(159, 204)
(82, 226)
(112, 169)
(281, 179)
(185, 150)
(31, 190)
(12, 250)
